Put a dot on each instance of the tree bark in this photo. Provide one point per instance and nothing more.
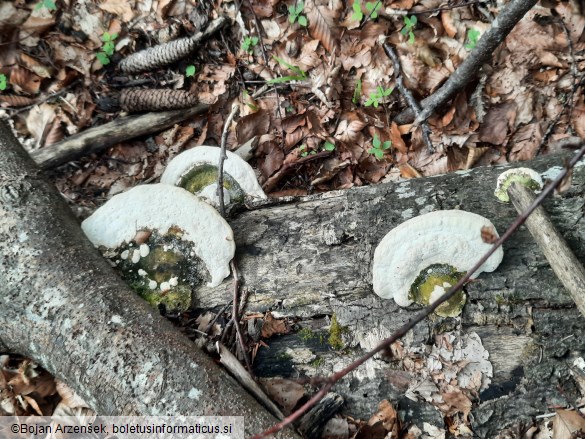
(311, 258)
(62, 305)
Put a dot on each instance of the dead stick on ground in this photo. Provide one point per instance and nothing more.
(412, 102)
(223, 156)
(470, 68)
(102, 137)
(403, 330)
(560, 257)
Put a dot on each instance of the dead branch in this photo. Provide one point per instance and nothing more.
(99, 138)
(412, 102)
(562, 260)
(63, 306)
(471, 66)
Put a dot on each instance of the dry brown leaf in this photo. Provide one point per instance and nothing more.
(270, 158)
(23, 80)
(274, 326)
(568, 424)
(322, 21)
(254, 124)
(121, 8)
(497, 123)
(329, 169)
(285, 393)
(526, 141)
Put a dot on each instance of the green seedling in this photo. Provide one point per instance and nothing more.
(328, 146)
(248, 101)
(295, 14)
(378, 96)
(357, 14)
(299, 75)
(190, 71)
(373, 8)
(305, 152)
(379, 147)
(49, 4)
(357, 92)
(409, 24)
(249, 43)
(3, 82)
(108, 48)
(472, 38)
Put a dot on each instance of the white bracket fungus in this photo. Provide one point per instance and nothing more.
(196, 171)
(162, 208)
(423, 257)
(525, 176)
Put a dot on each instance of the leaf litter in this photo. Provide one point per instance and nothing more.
(317, 85)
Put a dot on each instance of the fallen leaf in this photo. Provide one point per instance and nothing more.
(273, 326)
(488, 235)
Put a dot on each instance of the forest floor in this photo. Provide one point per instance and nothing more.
(313, 85)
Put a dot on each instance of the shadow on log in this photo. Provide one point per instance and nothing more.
(62, 305)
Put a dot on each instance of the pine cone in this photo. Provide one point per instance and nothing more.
(137, 99)
(158, 56)
(167, 53)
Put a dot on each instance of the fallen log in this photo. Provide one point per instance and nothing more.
(311, 257)
(62, 305)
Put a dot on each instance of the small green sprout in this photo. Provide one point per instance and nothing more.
(409, 24)
(373, 8)
(472, 37)
(299, 75)
(190, 71)
(357, 11)
(49, 4)
(249, 102)
(249, 43)
(305, 152)
(107, 48)
(328, 146)
(378, 96)
(3, 83)
(357, 92)
(294, 14)
(379, 147)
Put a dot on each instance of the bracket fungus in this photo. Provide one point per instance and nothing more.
(419, 260)
(525, 176)
(196, 170)
(164, 240)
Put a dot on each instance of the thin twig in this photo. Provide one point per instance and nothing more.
(401, 332)
(471, 66)
(236, 317)
(223, 156)
(412, 102)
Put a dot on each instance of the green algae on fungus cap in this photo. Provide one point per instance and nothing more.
(164, 208)
(525, 176)
(451, 237)
(196, 171)
(432, 283)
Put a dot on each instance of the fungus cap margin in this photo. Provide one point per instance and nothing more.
(441, 237)
(234, 165)
(526, 176)
(160, 207)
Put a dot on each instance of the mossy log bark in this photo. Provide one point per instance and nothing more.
(311, 258)
(62, 305)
